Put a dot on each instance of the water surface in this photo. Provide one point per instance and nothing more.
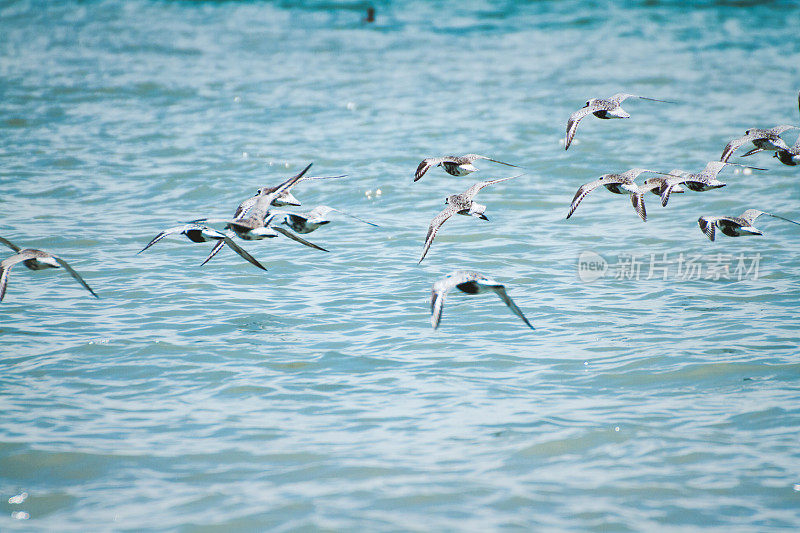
(316, 396)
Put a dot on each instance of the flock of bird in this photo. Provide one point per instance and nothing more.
(255, 218)
(663, 184)
(673, 181)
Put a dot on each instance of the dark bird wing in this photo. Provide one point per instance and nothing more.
(476, 156)
(620, 97)
(355, 217)
(583, 190)
(236, 248)
(501, 292)
(425, 165)
(165, 233)
(433, 229)
(294, 237)
(74, 274)
(286, 185)
(734, 145)
(10, 244)
(215, 250)
(667, 188)
(574, 120)
(637, 199)
(243, 253)
(783, 218)
(707, 224)
(753, 151)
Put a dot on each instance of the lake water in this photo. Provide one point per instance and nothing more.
(663, 396)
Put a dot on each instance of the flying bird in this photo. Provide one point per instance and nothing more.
(702, 181)
(736, 226)
(256, 229)
(454, 165)
(200, 233)
(311, 220)
(618, 184)
(255, 221)
(762, 139)
(657, 184)
(285, 198)
(34, 260)
(470, 283)
(605, 108)
(461, 204)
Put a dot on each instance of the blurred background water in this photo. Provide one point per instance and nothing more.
(316, 396)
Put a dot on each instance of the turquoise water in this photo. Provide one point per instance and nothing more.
(316, 396)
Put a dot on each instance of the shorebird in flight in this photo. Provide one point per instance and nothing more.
(454, 165)
(657, 184)
(762, 139)
(257, 207)
(470, 283)
(736, 226)
(461, 204)
(257, 229)
(605, 108)
(618, 184)
(200, 233)
(284, 199)
(34, 260)
(311, 220)
(255, 221)
(702, 181)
